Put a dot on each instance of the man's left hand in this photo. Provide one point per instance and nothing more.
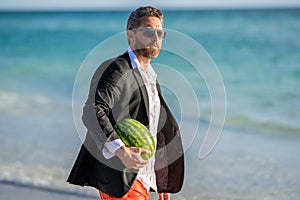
(164, 196)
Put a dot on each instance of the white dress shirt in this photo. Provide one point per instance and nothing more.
(146, 174)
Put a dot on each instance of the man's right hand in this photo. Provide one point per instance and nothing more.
(131, 157)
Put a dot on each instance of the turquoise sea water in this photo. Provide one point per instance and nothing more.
(256, 51)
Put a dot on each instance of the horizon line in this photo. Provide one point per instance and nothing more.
(208, 8)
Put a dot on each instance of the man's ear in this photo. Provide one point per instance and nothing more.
(130, 36)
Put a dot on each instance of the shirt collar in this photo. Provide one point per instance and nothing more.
(134, 61)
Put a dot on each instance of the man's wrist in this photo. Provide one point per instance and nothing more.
(120, 151)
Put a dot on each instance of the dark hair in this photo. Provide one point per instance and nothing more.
(135, 16)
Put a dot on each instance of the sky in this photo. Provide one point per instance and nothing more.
(129, 4)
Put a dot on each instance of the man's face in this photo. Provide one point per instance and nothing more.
(143, 42)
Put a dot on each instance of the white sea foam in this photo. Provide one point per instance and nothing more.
(22, 103)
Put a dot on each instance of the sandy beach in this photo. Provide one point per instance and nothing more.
(15, 192)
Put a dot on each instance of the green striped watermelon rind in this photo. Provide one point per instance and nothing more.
(134, 133)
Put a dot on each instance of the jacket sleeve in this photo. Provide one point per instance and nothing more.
(105, 91)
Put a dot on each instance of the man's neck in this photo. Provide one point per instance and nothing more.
(144, 62)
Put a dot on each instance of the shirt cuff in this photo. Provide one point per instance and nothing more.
(110, 148)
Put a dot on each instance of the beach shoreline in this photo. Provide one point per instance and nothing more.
(20, 191)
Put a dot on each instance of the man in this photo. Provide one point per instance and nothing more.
(126, 87)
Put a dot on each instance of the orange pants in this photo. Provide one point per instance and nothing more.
(136, 192)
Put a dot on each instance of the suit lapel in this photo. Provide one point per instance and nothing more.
(140, 82)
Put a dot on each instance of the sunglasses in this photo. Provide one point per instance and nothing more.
(150, 32)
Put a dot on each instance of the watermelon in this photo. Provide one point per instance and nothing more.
(133, 133)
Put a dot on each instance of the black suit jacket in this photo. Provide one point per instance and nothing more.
(117, 91)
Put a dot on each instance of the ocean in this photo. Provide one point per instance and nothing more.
(249, 93)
